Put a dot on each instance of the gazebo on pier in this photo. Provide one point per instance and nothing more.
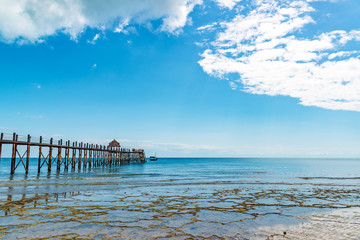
(114, 143)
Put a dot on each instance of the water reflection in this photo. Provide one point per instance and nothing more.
(14, 202)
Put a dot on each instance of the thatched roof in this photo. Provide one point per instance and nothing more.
(114, 143)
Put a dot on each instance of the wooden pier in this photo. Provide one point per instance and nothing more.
(67, 154)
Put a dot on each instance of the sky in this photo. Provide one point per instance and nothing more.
(185, 78)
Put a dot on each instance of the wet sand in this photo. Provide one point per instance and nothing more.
(170, 210)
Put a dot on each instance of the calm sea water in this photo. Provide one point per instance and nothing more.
(179, 198)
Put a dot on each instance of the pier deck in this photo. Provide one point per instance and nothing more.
(66, 154)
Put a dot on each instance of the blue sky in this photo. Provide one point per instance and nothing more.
(185, 77)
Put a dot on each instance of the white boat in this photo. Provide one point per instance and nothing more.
(153, 158)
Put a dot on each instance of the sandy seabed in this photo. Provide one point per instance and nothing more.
(167, 210)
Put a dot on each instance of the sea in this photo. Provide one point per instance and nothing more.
(185, 198)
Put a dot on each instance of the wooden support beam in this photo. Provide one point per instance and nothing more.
(50, 155)
(67, 151)
(73, 156)
(13, 154)
(80, 156)
(102, 156)
(40, 155)
(65, 156)
(110, 156)
(94, 156)
(58, 163)
(90, 155)
(27, 155)
(97, 155)
(85, 160)
(107, 155)
(1, 138)
(68, 154)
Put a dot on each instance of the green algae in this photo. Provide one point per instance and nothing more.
(171, 214)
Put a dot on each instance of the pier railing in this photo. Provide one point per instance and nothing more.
(67, 154)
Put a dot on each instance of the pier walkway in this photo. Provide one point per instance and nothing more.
(66, 154)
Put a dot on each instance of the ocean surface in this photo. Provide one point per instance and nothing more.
(185, 198)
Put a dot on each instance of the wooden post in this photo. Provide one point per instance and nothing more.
(90, 155)
(27, 155)
(1, 138)
(107, 155)
(101, 155)
(122, 156)
(73, 155)
(119, 156)
(104, 156)
(110, 155)
(80, 156)
(13, 155)
(68, 154)
(85, 155)
(50, 155)
(93, 156)
(96, 155)
(67, 151)
(39, 161)
(115, 156)
(58, 165)
(65, 157)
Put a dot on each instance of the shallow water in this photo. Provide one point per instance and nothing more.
(184, 198)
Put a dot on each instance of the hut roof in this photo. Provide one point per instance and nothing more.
(114, 143)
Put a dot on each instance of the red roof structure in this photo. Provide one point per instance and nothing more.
(114, 143)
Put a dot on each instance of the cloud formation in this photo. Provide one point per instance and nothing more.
(32, 20)
(264, 48)
(227, 3)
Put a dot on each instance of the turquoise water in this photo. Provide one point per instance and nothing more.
(179, 198)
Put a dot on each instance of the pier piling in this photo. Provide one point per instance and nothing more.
(27, 154)
(49, 162)
(1, 138)
(82, 155)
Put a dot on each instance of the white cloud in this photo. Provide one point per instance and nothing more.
(121, 26)
(95, 38)
(227, 3)
(94, 66)
(209, 27)
(33, 20)
(342, 54)
(265, 49)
